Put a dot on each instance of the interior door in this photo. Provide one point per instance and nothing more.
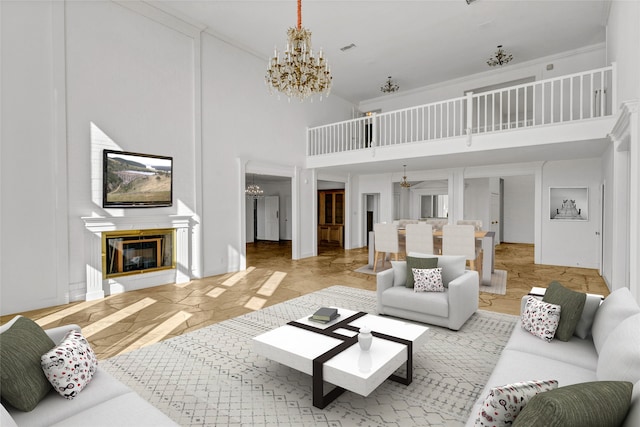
(495, 216)
(272, 218)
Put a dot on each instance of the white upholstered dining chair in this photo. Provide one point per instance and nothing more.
(461, 240)
(477, 223)
(385, 241)
(419, 238)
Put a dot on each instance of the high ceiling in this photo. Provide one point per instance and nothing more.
(418, 43)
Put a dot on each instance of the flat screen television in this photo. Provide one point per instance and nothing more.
(135, 180)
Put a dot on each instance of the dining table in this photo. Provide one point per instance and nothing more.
(486, 237)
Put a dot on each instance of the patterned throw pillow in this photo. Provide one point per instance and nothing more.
(504, 403)
(428, 280)
(540, 318)
(70, 366)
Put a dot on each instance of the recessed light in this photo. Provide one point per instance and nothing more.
(347, 47)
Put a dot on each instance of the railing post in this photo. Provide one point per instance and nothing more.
(469, 127)
(374, 130)
(614, 88)
(307, 140)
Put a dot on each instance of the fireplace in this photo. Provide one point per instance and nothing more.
(157, 245)
(137, 251)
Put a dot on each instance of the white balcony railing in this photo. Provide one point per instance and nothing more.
(570, 98)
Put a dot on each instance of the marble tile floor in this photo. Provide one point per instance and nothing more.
(127, 321)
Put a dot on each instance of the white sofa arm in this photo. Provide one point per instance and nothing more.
(464, 293)
(57, 334)
(384, 281)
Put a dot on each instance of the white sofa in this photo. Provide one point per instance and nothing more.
(450, 308)
(105, 401)
(610, 353)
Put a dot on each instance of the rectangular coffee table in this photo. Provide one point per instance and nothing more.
(330, 352)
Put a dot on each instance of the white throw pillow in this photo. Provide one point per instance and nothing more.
(540, 318)
(70, 366)
(428, 280)
(504, 403)
(399, 272)
(591, 304)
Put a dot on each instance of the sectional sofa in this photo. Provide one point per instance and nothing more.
(604, 347)
(104, 401)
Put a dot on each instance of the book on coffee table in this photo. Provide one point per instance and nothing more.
(325, 314)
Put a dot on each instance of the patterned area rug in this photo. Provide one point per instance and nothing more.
(211, 377)
(498, 283)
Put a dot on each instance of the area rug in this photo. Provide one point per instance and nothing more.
(211, 377)
(498, 283)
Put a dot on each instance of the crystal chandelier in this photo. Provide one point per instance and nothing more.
(403, 182)
(500, 57)
(389, 86)
(253, 190)
(299, 73)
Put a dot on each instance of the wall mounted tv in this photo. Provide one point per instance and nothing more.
(134, 180)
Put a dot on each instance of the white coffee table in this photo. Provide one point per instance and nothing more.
(330, 352)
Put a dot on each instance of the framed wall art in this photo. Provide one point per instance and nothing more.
(569, 203)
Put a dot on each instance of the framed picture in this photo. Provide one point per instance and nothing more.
(569, 203)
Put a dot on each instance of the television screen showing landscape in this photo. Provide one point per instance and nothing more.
(136, 180)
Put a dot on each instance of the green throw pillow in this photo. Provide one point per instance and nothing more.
(23, 381)
(593, 404)
(572, 304)
(422, 263)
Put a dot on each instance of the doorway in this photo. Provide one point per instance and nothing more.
(370, 202)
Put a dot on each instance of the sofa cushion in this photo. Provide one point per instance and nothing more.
(540, 318)
(407, 299)
(70, 365)
(633, 416)
(620, 355)
(399, 272)
(593, 404)
(428, 280)
(54, 408)
(24, 384)
(418, 262)
(127, 410)
(575, 351)
(504, 403)
(453, 266)
(619, 305)
(572, 304)
(591, 304)
(5, 418)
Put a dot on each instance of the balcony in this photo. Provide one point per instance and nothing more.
(576, 101)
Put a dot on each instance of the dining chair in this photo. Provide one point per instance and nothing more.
(437, 223)
(386, 241)
(461, 240)
(419, 238)
(477, 223)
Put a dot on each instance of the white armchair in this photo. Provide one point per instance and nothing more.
(450, 308)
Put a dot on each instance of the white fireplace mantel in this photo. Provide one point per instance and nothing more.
(96, 225)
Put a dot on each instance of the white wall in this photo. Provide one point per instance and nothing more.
(33, 210)
(572, 243)
(282, 189)
(519, 209)
(130, 87)
(138, 80)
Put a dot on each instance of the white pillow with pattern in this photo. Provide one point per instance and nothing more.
(70, 366)
(503, 404)
(428, 280)
(540, 318)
